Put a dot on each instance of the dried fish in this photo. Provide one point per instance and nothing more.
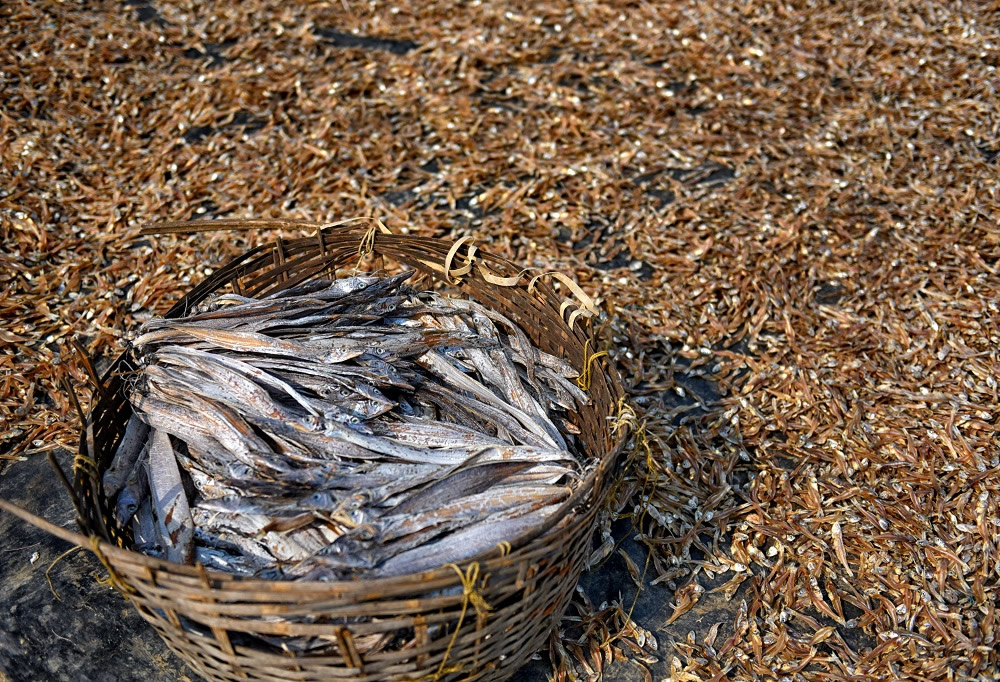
(175, 529)
(465, 543)
(136, 489)
(319, 447)
(467, 481)
(128, 452)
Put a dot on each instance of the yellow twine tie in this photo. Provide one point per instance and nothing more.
(81, 461)
(470, 595)
(367, 244)
(626, 417)
(583, 380)
(116, 580)
(504, 548)
(53, 565)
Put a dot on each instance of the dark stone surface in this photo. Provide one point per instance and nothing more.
(91, 633)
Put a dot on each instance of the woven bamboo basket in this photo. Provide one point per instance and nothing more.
(478, 621)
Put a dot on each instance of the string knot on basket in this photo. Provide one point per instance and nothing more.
(124, 588)
(470, 595)
(583, 381)
(367, 244)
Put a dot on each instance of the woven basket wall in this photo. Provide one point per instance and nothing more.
(205, 617)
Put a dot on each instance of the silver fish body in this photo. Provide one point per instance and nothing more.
(343, 429)
(173, 516)
(464, 544)
(130, 447)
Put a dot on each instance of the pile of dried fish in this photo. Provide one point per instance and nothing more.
(342, 428)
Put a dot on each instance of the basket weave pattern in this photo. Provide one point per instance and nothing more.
(504, 605)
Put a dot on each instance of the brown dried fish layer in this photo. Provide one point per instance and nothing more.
(807, 214)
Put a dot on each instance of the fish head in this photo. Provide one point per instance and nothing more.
(452, 351)
(336, 393)
(319, 499)
(349, 285)
(239, 471)
(484, 327)
(361, 427)
(372, 393)
(126, 506)
(375, 408)
(358, 500)
(312, 422)
(384, 306)
(395, 280)
(368, 409)
(373, 362)
(340, 413)
(365, 531)
(380, 352)
(384, 372)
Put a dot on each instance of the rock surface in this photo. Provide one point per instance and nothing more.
(89, 632)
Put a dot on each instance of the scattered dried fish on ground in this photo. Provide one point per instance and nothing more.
(344, 428)
(795, 204)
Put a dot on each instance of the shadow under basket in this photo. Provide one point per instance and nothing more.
(480, 620)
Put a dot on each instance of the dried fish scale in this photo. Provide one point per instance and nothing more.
(287, 415)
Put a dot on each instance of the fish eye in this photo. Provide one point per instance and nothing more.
(344, 391)
(354, 420)
(132, 507)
